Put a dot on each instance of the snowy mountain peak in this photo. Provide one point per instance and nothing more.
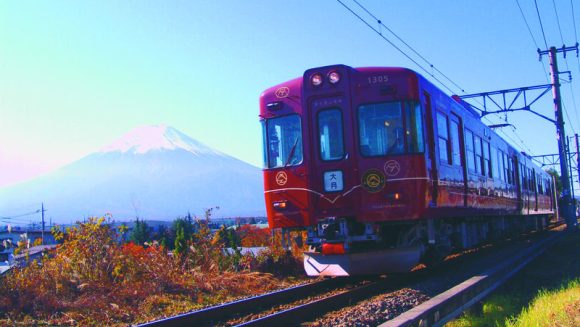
(144, 139)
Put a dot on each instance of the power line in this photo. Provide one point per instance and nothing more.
(408, 46)
(379, 32)
(541, 25)
(535, 42)
(21, 215)
(527, 25)
(558, 21)
(393, 45)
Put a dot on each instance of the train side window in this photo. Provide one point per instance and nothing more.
(469, 153)
(478, 156)
(500, 165)
(455, 150)
(486, 159)
(330, 134)
(524, 177)
(494, 162)
(414, 127)
(506, 172)
(443, 138)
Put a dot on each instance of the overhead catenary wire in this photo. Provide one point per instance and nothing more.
(541, 62)
(541, 25)
(379, 32)
(407, 45)
(394, 45)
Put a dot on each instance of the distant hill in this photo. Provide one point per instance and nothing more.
(154, 172)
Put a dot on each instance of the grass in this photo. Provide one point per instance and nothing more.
(552, 308)
(549, 308)
(546, 293)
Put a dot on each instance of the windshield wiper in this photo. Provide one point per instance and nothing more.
(291, 153)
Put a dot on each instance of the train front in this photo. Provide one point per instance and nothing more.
(344, 159)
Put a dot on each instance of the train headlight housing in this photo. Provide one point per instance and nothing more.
(316, 79)
(333, 77)
(279, 205)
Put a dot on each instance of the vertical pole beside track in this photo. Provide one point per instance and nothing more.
(571, 175)
(567, 204)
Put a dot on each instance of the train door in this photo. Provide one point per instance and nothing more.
(432, 158)
(334, 171)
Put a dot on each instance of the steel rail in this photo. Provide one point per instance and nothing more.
(294, 316)
(210, 315)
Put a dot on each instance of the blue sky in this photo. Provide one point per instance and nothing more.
(75, 75)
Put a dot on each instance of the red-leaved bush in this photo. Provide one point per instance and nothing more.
(93, 279)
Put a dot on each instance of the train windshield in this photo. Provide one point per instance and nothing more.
(390, 128)
(282, 141)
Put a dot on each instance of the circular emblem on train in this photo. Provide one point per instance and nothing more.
(282, 92)
(281, 178)
(392, 168)
(373, 180)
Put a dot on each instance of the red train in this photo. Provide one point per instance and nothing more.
(384, 170)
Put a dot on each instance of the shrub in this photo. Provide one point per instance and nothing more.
(92, 279)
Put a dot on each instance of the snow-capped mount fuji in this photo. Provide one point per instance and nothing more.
(156, 138)
(154, 172)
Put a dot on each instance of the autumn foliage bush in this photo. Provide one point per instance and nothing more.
(93, 279)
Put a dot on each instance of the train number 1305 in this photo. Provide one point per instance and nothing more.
(378, 79)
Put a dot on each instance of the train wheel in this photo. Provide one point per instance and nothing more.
(436, 254)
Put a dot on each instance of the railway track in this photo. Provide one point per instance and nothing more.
(292, 306)
(220, 314)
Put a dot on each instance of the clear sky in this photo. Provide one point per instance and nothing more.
(75, 75)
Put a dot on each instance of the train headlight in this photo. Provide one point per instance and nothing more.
(316, 79)
(333, 77)
(280, 205)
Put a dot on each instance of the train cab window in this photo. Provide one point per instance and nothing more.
(330, 134)
(469, 152)
(443, 138)
(283, 141)
(381, 129)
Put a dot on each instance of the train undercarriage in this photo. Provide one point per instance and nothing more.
(344, 247)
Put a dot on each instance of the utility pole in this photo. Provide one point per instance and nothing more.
(567, 204)
(42, 210)
(569, 153)
(577, 157)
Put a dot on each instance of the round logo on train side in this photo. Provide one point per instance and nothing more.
(282, 92)
(281, 178)
(373, 180)
(392, 168)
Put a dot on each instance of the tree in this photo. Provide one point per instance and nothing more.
(556, 176)
(180, 241)
(140, 233)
